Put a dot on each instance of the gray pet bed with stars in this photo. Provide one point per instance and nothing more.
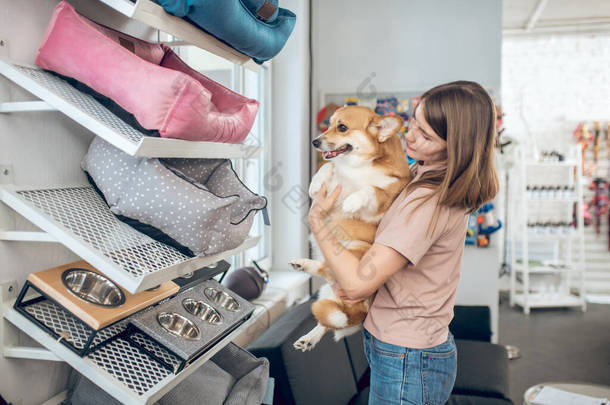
(199, 203)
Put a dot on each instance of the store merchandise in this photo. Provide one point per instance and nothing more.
(257, 28)
(600, 201)
(481, 224)
(147, 80)
(233, 376)
(542, 192)
(189, 323)
(81, 306)
(551, 156)
(248, 282)
(200, 203)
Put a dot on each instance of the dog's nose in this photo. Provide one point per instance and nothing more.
(316, 143)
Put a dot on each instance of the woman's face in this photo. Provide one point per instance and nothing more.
(422, 142)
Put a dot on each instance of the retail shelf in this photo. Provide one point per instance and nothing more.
(153, 15)
(79, 218)
(543, 300)
(551, 199)
(20, 106)
(548, 269)
(57, 399)
(88, 112)
(119, 368)
(566, 163)
(26, 236)
(24, 352)
(552, 236)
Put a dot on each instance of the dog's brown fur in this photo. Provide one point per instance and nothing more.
(372, 173)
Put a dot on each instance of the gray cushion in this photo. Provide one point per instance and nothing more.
(482, 369)
(231, 377)
(200, 203)
(476, 400)
(320, 376)
(355, 345)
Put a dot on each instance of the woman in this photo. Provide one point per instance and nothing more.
(414, 264)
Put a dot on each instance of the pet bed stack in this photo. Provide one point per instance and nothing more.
(147, 80)
(199, 203)
(257, 28)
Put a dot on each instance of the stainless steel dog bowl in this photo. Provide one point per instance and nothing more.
(202, 310)
(178, 325)
(92, 287)
(222, 299)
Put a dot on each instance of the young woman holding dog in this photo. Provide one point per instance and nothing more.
(414, 264)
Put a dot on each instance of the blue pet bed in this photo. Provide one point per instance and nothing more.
(257, 28)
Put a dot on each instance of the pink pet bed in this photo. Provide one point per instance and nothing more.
(148, 80)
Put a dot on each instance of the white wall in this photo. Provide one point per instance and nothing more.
(551, 82)
(406, 45)
(288, 179)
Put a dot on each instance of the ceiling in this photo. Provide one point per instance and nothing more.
(531, 17)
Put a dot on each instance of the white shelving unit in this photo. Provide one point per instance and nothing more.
(153, 15)
(554, 291)
(60, 95)
(78, 218)
(118, 367)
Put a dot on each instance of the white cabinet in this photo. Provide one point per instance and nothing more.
(545, 224)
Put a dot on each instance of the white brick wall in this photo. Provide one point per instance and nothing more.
(549, 83)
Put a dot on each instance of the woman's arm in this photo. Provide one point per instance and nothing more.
(357, 278)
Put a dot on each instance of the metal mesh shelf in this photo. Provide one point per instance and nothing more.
(119, 367)
(153, 15)
(78, 218)
(60, 321)
(62, 324)
(88, 112)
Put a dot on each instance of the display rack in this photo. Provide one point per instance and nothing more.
(84, 109)
(554, 290)
(81, 220)
(78, 218)
(119, 368)
(153, 15)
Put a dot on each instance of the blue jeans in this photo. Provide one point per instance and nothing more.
(400, 375)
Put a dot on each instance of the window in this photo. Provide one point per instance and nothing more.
(251, 171)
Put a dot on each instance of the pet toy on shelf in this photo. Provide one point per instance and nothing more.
(597, 129)
(481, 225)
(599, 203)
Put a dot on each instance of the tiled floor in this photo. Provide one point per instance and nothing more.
(556, 345)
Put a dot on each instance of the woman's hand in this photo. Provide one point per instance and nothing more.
(320, 207)
(340, 293)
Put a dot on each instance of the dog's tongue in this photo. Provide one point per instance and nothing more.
(328, 154)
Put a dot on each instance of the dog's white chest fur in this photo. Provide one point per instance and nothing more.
(358, 197)
(354, 179)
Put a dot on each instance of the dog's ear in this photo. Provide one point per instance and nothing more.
(385, 127)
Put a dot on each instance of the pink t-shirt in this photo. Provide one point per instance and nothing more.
(414, 307)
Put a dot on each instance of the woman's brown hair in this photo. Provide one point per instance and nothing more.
(464, 115)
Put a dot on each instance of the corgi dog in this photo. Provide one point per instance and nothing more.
(364, 155)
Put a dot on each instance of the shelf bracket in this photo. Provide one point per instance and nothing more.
(7, 216)
(27, 236)
(25, 106)
(9, 334)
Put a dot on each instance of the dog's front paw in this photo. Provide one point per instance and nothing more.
(353, 203)
(322, 176)
(303, 344)
(298, 264)
(314, 187)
